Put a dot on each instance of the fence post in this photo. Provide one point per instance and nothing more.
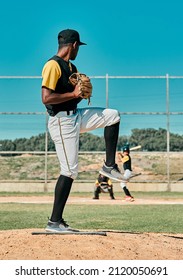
(46, 156)
(107, 90)
(168, 131)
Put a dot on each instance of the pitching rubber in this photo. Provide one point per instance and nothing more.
(70, 232)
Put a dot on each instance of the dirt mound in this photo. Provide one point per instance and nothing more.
(22, 245)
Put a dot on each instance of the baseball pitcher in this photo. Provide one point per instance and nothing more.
(63, 88)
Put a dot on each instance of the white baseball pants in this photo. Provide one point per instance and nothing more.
(127, 175)
(65, 129)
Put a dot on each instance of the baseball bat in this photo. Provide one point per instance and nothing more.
(135, 148)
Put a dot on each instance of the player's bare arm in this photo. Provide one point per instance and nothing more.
(49, 98)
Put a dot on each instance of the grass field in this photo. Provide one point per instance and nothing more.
(139, 194)
(132, 218)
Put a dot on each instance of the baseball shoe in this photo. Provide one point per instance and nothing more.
(112, 172)
(58, 226)
(129, 198)
(95, 197)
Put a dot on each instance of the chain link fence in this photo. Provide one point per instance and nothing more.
(163, 96)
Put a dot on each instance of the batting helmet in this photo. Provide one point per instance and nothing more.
(126, 148)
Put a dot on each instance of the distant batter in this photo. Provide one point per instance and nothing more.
(126, 160)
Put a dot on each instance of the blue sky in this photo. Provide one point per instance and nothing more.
(123, 38)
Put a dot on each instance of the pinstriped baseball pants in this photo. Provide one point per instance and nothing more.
(65, 130)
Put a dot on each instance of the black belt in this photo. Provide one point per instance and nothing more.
(71, 112)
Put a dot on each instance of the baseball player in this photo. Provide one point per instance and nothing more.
(126, 160)
(103, 184)
(66, 122)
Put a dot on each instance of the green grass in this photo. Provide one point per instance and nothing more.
(9, 194)
(152, 195)
(131, 218)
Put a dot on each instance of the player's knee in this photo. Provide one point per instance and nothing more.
(117, 116)
(74, 175)
(113, 117)
(71, 174)
(122, 185)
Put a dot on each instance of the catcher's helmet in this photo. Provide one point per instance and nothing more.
(102, 178)
(126, 148)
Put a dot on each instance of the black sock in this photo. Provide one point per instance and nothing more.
(111, 138)
(62, 190)
(126, 191)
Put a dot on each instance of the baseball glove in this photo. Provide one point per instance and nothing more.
(84, 85)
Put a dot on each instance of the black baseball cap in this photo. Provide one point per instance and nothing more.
(69, 36)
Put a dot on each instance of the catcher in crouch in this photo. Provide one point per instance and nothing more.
(61, 93)
(103, 185)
